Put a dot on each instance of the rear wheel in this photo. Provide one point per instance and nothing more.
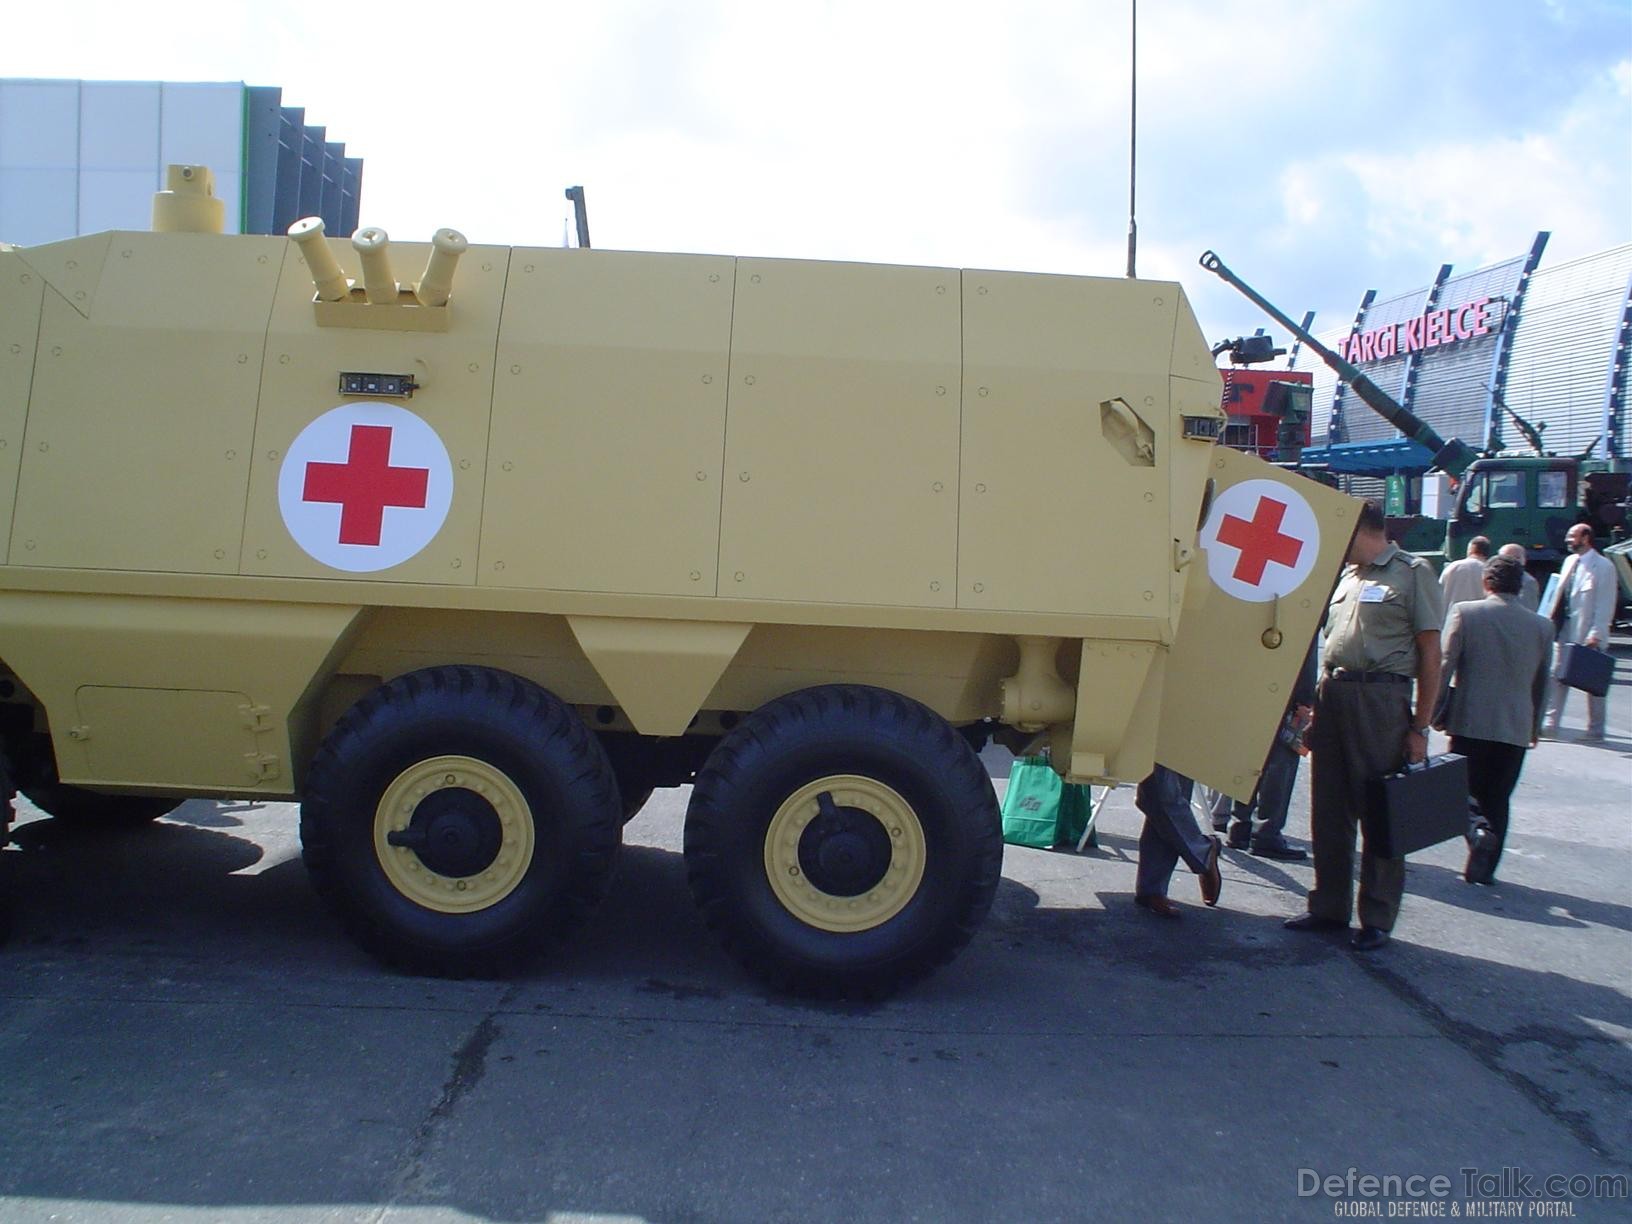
(843, 840)
(458, 819)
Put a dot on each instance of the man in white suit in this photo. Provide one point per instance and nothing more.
(1586, 601)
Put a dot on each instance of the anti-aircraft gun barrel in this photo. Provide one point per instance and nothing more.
(1454, 456)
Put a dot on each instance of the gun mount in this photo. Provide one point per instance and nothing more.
(1453, 456)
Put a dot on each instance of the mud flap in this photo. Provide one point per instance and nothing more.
(1271, 548)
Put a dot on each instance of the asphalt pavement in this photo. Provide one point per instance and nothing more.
(189, 1036)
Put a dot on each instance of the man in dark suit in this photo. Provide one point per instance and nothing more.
(1493, 693)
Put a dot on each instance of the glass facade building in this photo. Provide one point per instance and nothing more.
(80, 157)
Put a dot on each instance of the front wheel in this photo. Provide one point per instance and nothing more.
(843, 841)
(459, 818)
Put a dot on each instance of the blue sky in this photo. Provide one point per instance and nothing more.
(1321, 147)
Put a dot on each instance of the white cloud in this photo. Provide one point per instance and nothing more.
(1321, 148)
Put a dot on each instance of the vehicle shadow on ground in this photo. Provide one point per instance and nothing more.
(1029, 969)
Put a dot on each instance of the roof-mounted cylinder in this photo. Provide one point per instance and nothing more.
(187, 205)
(379, 281)
(447, 245)
(330, 282)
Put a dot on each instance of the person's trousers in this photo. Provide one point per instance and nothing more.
(1493, 772)
(1359, 735)
(1170, 833)
(1558, 693)
(1264, 819)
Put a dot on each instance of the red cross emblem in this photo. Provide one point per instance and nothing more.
(1260, 541)
(365, 484)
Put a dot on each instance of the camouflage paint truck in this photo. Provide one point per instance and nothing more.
(468, 564)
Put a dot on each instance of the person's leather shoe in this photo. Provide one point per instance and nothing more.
(1157, 904)
(1369, 939)
(1237, 843)
(1212, 880)
(1314, 922)
(1283, 853)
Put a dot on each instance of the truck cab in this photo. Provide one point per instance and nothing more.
(1529, 500)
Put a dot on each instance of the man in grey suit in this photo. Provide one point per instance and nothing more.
(1530, 593)
(1493, 690)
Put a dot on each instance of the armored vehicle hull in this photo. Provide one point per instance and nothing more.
(469, 566)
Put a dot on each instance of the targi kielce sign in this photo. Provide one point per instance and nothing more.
(1434, 329)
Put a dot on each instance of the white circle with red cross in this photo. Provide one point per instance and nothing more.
(365, 486)
(1261, 540)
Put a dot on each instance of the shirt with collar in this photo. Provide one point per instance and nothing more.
(1377, 611)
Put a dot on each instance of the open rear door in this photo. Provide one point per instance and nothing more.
(1272, 546)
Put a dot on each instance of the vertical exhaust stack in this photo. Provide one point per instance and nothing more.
(379, 281)
(447, 245)
(188, 204)
(330, 282)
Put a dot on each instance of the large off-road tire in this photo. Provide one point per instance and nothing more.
(459, 819)
(92, 809)
(843, 841)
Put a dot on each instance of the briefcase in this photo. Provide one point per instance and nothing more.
(1584, 668)
(1418, 807)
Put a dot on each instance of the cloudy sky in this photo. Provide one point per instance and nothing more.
(1320, 146)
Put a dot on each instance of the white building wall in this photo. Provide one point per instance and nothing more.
(79, 157)
(1560, 367)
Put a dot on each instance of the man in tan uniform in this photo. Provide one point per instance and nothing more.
(1382, 632)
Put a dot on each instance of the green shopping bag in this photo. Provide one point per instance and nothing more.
(1041, 811)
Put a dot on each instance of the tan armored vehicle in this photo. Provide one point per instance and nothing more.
(469, 564)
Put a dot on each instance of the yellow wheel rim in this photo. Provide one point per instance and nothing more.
(830, 911)
(408, 872)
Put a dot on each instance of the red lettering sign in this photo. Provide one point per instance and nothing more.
(1425, 331)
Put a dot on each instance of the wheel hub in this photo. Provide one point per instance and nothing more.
(454, 834)
(845, 853)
